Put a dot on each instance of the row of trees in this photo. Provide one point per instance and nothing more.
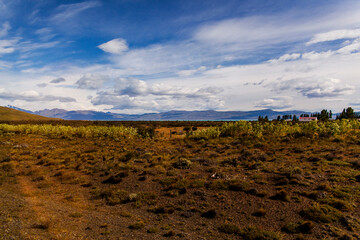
(348, 113)
(324, 115)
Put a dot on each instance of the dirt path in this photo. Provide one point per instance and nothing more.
(11, 205)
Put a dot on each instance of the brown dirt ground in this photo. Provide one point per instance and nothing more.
(48, 192)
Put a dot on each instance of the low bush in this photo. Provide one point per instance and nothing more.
(321, 213)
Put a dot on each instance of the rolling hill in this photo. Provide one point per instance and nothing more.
(9, 114)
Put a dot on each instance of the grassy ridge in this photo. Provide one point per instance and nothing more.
(9, 114)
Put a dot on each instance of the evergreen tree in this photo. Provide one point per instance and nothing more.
(347, 113)
(324, 115)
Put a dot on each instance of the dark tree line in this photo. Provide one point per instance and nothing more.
(348, 113)
(324, 115)
(287, 117)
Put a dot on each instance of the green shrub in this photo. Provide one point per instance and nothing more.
(249, 233)
(321, 213)
(183, 163)
(229, 228)
(254, 233)
(112, 196)
(279, 129)
(59, 131)
(137, 225)
(299, 227)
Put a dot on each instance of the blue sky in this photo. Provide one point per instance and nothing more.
(137, 56)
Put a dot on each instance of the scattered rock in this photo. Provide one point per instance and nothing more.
(217, 176)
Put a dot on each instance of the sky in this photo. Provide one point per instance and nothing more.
(138, 56)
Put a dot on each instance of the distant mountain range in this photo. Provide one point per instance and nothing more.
(209, 115)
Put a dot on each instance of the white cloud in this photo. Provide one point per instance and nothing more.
(124, 102)
(7, 46)
(135, 87)
(317, 55)
(348, 47)
(351, 47)
(91, 81)
(335, 35)
(264, 31)
(115, 46)
(137, 94)
(281, 102)
(314, 87)
(286, 57)
(230, 40)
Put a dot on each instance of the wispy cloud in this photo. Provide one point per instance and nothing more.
(4, 29)
(32, 96)
(28, 46)
(65, 12)
(186, 73)
(5, 64)
(7, 46)
(335, 35)
(314, 87)
(45, 34)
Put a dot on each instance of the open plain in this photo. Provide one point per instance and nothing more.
(73, 182)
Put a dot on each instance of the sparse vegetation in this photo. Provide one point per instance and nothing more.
(302, 179)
